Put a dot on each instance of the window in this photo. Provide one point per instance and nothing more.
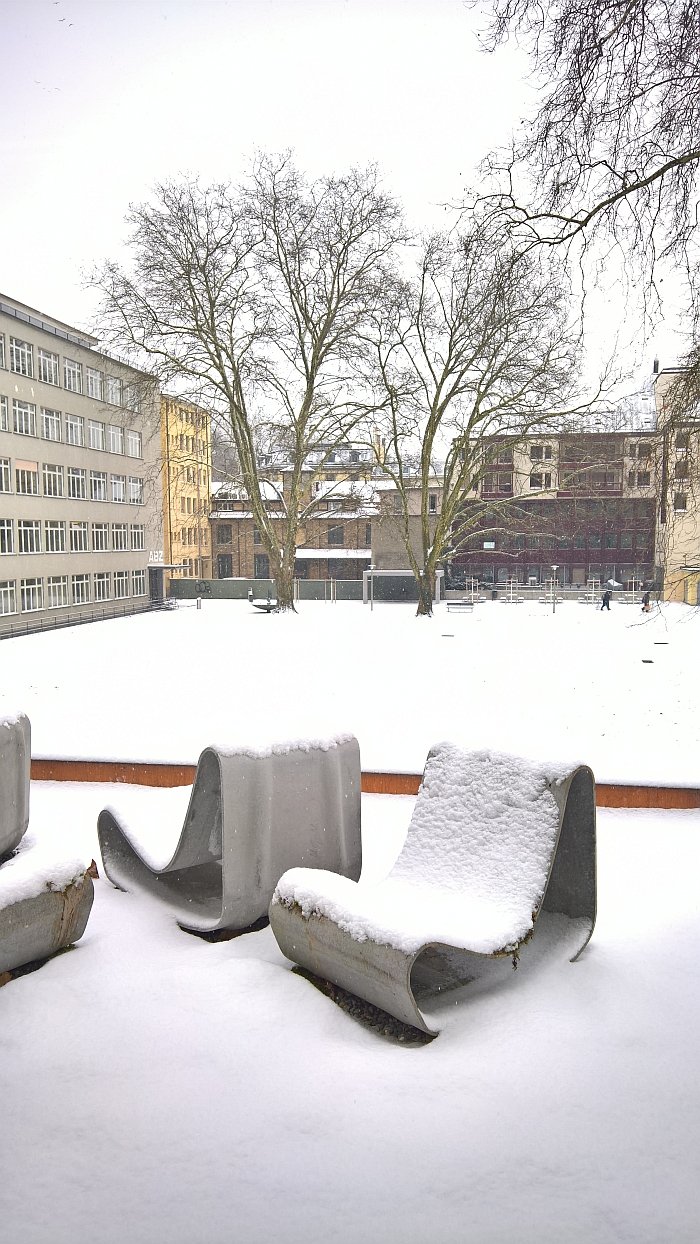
(2, 349)
(137, 537)
(101, 585)
(29, 535)
(120, 534)
(336, 534)
(53, 480)
(121, 584)
(55, 536)
(594, 541)
(626, 540)
(50, 424)
(643, 479)
(133, 444)
(114, 390)
(98, 485)
(96, 434)
(75, 430)
(5, 478)
(100, 537)
(535, 481)
(7, 543)
(94, 383)
(432, 503)
(118, 483)
(31, 595)
(611, 540)
(368, 534)
(261, 566)
(130, 397)
(57, 591)
(644, 450)
(115, 439)
(138, 583)
(681, 441)
(4, 426)
(77, 483)
(73, 375)
(680, 469)
(21, 357)
(78, 537)
(680, 502)
(24, 417)
(81, 589)
(27, 478)
(8, 597)
(224, 531)
(135, 490)
(48, 366)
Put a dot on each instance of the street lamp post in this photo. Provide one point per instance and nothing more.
(554, 588)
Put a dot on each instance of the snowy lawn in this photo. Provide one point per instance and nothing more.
(613, 690)
(159, 1087)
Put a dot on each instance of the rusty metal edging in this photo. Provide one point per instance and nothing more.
(138, 773)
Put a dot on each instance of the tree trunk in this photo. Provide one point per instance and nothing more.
(284, 582)
(426, 593)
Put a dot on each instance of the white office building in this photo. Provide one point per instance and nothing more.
(80, 489)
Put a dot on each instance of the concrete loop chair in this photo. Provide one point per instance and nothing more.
(495, 842)
(45, 896)
(251, 816)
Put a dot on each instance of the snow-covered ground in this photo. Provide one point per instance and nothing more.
(614, 690)
(157, 1086)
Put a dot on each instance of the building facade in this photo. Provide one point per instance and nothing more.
(186, 451)
(678, 517)
(336, 543)
(80, 504)
(585, 502)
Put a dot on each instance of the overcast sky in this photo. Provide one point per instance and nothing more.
(101, 98)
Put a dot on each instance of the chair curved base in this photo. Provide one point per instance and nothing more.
(38, 927)
(378, 973)
(382, 974)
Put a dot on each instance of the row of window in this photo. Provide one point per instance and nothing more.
(590, 540)
(194, 505)
(60, 537)
(52, 425)
(187, 444)
(60, 591)
(192, 535)
(77, 484)
(46, 366)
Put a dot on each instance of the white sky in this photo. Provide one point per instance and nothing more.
(101, 98)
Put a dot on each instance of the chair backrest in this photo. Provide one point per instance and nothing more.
(15, 757)
(485, 825)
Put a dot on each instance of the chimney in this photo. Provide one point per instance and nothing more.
(656, 367)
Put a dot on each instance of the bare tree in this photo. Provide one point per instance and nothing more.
(254, 302)
(616, 139)
(474, 354)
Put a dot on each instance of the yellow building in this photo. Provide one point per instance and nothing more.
(678, 523)
(186, 446)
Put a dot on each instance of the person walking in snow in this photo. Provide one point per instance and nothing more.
(607, 596)
(646, 603)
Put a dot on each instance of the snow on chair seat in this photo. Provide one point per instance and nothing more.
(45, 893)
(251, 815)
(494, 841)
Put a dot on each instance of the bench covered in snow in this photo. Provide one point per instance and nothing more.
(251, 815)
(494, 842)
(45, 893)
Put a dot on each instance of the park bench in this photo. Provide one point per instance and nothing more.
(45, 894)
(460, 606)
(496, 844)
(251, 815)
